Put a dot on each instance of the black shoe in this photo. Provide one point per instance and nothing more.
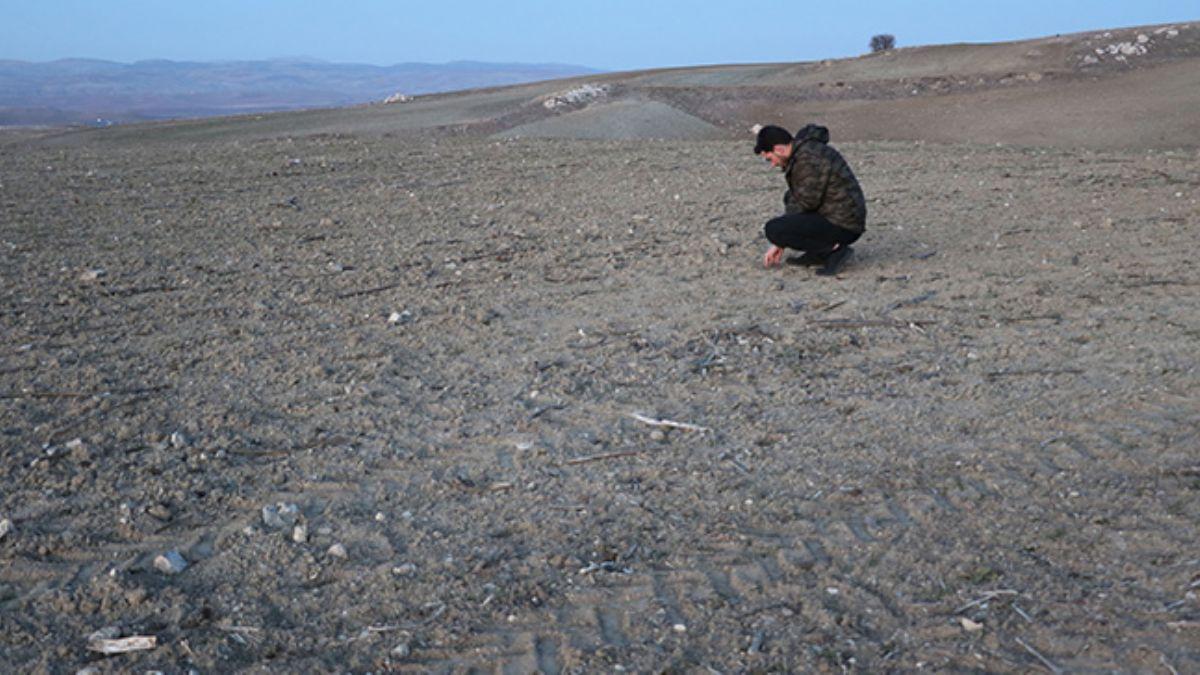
(809, 259)
(835, 261)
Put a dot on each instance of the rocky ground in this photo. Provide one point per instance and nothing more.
(360, 405)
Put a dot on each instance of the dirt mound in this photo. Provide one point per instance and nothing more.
(619, 120)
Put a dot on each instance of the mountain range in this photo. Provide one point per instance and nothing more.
(99, 93)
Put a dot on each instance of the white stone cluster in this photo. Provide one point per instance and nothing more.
(398, 98)
(578, 96)
(1123, 51)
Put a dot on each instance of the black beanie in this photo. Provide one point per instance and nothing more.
(771, 136)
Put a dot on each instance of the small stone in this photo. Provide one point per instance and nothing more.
(280, 515)
(658, 435)
(6, 526)
(79, 450)
(402, 650)
(379, 517)
(679, 628)
(179, 441)
(337, 551)
(406, 570)
(971, 626)
(400, 317)
(170, 563)
(92, 275)
(159, 511)
(300, 534)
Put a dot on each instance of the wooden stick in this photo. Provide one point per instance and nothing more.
(669, 423)
(988, 595)
(122, 645)
(1045, 661)
(1035, 371)
(368, 291)
(863, 323)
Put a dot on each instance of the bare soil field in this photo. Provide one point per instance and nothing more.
(441, 387)
(972, 450)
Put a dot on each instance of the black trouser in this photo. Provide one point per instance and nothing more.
(808, 232)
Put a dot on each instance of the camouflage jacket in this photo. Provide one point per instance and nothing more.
(820, 181)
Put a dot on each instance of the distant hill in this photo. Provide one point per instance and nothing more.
(87, 91)
(1133, 87)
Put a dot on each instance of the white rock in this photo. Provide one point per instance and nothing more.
(398, 98)
(178, 440)
(300, 534)
(170, 563)
(402, 650)
(6, 526)
(280, 516)
(92, 275)
(1143, 39)
(337, 551)
(578, 96)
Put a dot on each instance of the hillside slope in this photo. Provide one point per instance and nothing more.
(1128, 88)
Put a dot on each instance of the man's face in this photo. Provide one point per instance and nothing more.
(777, 156)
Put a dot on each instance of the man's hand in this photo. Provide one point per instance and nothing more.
(773, 257)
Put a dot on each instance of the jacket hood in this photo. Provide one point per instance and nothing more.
(812, 132)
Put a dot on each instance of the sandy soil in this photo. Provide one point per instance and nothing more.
(972, 450)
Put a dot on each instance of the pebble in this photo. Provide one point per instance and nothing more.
(178, 440)
(92, 275)
(402, 650)
(300, 534)
(679, 628)
(406, 570)
(79, 450)
(6, 526)
(159, 511)
(337, 551)
(170, 563)
(280, 516)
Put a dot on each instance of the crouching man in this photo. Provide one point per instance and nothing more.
(824, 207)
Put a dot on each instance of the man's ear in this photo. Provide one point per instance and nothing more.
(782, 149)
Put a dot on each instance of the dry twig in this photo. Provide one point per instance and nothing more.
(669, 424)
(1045, 661)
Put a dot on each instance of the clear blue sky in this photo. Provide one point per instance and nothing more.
(607, 34)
